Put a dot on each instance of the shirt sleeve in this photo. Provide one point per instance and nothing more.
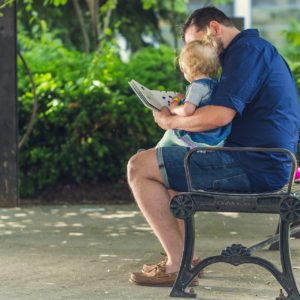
(244, 72)
(196, 92)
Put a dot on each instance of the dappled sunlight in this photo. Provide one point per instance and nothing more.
(60, 224)
(70, 214)
(132, 228)
(113, 234)
(77, 225)
(68, 226)
(116, 215)
(20, 215)
(15, 225)
(92, 209)
(93, 244)
(95, 215)
(107, 255)
(142, 228)
(131, 259)
(229, 214)
(6, 232)
(76, 233)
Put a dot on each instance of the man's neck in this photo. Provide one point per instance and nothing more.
(229, 33)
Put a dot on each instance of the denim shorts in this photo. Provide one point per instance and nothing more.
(210, 170)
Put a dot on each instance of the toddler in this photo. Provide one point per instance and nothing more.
(198, 61)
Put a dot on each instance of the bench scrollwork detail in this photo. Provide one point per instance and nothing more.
(236, 250)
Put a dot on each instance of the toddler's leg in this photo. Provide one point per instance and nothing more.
(170, 139)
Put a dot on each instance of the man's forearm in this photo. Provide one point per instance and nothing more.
(205, 118)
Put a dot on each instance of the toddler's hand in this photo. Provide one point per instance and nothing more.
(173, 104)
(179, 96)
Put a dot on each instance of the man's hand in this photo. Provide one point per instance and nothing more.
(163, 118)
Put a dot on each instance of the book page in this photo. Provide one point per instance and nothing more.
(153, 99)
(139, 92)
(162, 98)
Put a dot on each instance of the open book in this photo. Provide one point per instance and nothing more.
(153, 99)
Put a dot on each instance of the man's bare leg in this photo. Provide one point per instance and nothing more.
(152, 197)
(180, 223)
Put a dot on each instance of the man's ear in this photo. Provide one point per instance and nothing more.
(215, 28)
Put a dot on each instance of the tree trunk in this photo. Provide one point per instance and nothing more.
(85, 35)
(93, 6)
(174, 25)
(34, 106)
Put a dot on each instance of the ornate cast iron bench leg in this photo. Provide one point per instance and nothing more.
(287, 205)
(183, 208)
(289, 213)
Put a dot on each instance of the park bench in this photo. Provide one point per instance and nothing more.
(285, 203)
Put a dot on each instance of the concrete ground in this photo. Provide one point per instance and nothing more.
(87, 252)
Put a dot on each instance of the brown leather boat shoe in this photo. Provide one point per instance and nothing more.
(157, 277)
(150, 267)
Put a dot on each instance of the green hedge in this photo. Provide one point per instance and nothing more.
(89, 121)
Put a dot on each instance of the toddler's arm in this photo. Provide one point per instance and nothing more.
(184, 110)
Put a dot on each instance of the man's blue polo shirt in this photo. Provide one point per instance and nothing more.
(258, 84)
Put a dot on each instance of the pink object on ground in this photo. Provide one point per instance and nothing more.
(297, 175)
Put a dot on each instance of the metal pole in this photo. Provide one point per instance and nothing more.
(242, 8)
(8, 111)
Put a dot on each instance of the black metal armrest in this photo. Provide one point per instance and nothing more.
(240, 149)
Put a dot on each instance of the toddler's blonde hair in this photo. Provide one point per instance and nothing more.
(199, 57)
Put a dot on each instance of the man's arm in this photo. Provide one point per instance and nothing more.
(204, 118)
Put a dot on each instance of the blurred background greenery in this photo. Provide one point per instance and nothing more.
(81, 55)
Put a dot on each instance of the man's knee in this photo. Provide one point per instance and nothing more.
(143, 165)
(134, 167)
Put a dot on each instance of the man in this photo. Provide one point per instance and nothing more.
(258, 95)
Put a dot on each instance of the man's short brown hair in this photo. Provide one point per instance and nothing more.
(200, 18)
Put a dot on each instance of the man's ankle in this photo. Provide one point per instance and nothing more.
(172, 267)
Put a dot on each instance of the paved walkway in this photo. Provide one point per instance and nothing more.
(87, 252)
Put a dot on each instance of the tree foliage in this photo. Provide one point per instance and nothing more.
(83, 24)
(292, 51)
(89, 121)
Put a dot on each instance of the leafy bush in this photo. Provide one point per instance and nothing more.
(89, 121)
(292, 51)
